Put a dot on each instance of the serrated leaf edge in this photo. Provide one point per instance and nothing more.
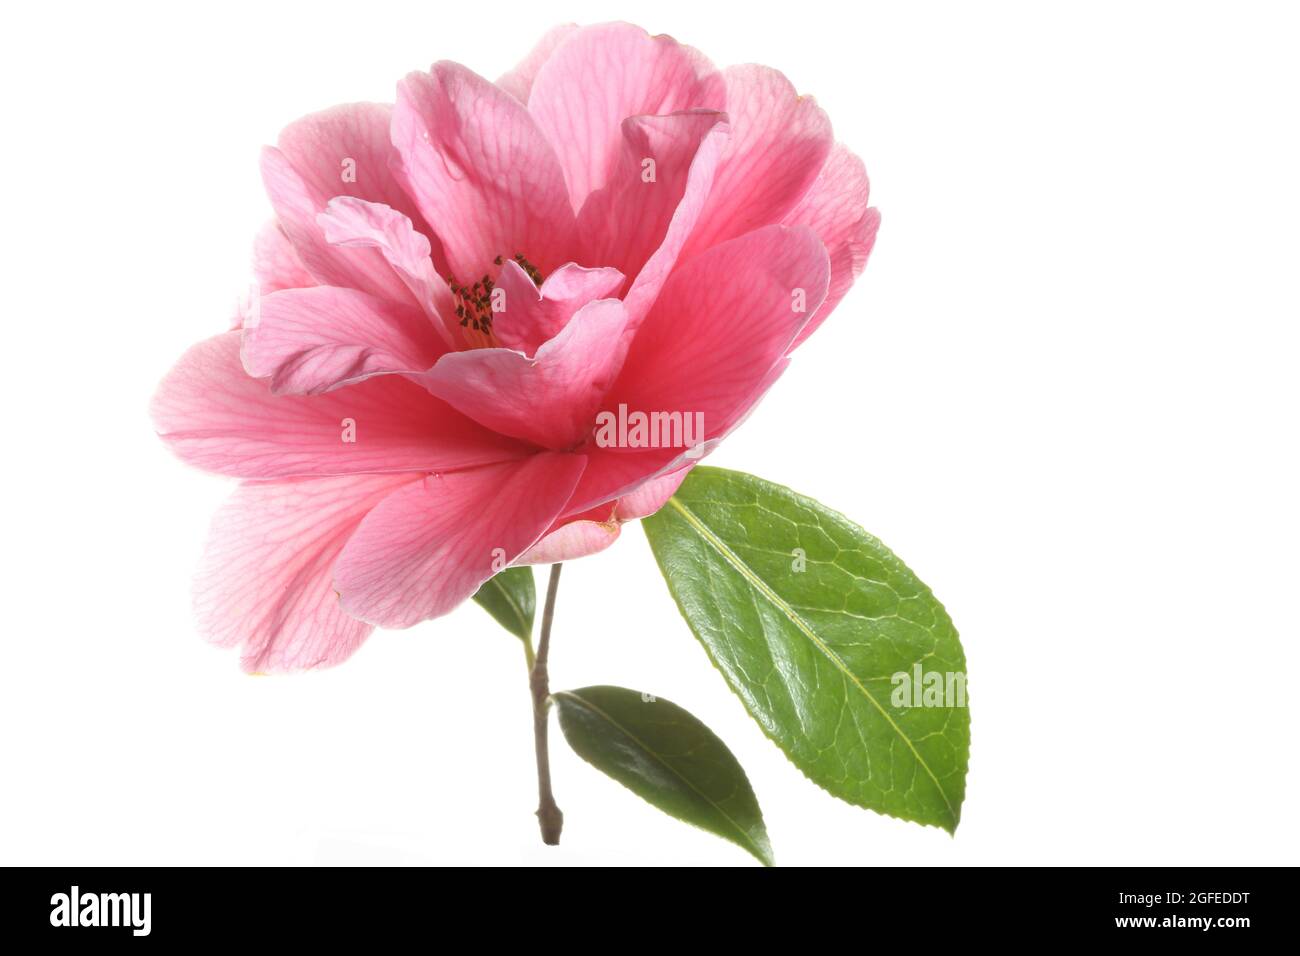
(732, 558)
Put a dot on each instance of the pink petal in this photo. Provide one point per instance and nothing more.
(579, 533)
(603, 74)
(355, 223)
(612, 473)
(318, 339)
(638, 482)
(275, 264)
(651, 496)
(481, 170)
(723, 320)
(532, 315)
(429, 546)
(836, 209)
(550, 399)
(344, 151)
(319, 147)
(779, 142)
(714, 343)
(266, 580)
(577, 539)
(731, 420)
(212, 414)
(297, 206)
(640, 226)
(519, 81)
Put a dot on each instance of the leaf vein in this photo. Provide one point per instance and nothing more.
(803, 627)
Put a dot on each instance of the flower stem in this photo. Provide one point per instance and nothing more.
(549, 816)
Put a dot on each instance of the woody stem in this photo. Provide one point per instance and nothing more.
(549, 817)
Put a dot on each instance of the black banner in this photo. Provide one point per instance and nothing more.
(1223, 907)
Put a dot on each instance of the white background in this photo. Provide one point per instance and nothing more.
(1064, 392)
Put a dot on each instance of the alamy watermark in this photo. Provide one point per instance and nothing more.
(637, 429)
(928, 688)
(102, 909)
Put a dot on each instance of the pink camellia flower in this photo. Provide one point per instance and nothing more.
(457, 288)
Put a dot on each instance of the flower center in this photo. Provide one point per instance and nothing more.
(475, 303)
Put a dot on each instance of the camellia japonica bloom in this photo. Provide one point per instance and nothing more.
(495, 321)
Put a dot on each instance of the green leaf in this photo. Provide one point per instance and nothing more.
(510, 598)
(811, 620)
(667, 757)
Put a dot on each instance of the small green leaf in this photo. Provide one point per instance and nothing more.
(812, 621)
(510, 598)
(667, 757)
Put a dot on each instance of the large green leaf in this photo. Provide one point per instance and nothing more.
(666, 756)
(810, 619)
(509, 597)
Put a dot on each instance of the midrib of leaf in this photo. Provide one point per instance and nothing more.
(519, 612)
(793, 616)
(744, 834)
